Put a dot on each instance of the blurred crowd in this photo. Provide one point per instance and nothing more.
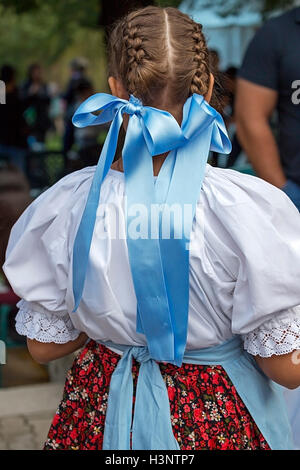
(35, 108)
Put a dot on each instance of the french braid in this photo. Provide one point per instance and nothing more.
(160, 55)
(135, 55)
(201, 77)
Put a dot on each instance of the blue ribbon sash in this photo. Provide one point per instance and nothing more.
(159, 266)
(151, 428)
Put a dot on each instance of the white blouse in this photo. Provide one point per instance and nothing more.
(244, 266)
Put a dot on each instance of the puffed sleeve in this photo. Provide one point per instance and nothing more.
(262, 229)
(38, 259)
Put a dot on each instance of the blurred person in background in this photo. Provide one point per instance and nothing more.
(36, 96)
(223, 100)
(56, 109)
(86, 138)
(230, 79)
(269, 80)
(214, 61)
(13, 128)
(78, 68)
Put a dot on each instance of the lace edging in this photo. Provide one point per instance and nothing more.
(276, 337)
(46, 327)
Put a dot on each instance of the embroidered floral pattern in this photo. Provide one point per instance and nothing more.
(206, 411)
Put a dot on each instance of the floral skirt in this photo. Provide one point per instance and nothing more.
(206, 411)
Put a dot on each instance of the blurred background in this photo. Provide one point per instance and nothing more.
(52, 57)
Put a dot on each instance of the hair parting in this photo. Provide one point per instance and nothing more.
(160, 55)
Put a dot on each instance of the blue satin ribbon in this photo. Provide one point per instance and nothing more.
(159, 266)
(152, 429)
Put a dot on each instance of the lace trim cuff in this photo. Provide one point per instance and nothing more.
(280, 335)
(45, 327)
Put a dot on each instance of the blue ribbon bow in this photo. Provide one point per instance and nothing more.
(151, 428)
(159, 265)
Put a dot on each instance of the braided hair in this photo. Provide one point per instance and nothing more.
(135, 55)
(160, 55)
(200, 80)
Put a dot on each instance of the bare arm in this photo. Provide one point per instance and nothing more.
(46, 352)
(254, 106)
(285, 369)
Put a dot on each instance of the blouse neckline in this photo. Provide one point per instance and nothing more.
(121, 176)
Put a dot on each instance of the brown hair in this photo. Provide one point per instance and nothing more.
(160, 56)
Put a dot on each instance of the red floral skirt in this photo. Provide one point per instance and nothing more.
(206, 411)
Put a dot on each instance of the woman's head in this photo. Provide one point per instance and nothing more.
(160, 56)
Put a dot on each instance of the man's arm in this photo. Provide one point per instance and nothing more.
(254, 106)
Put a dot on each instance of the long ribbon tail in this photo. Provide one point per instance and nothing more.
(152, 428)
(183, 193)
(119, 407)
(85, 231)
(183, 196)
(144, 252)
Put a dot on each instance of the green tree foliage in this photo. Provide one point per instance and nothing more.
(52, 32)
